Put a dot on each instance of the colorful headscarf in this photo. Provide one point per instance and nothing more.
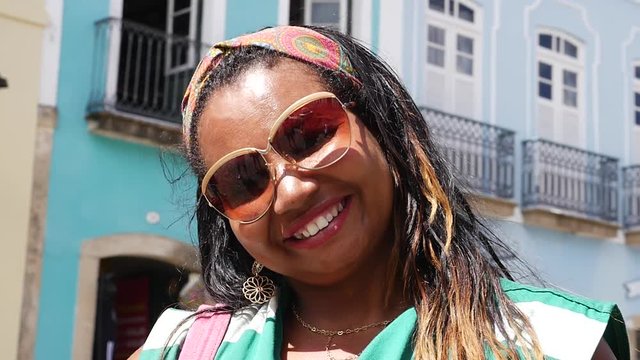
(296, 42)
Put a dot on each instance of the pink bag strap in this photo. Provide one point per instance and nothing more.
(205, 335)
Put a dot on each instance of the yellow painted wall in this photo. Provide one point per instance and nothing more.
(21, 26)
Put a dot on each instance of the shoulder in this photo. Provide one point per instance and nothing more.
(250, 321)
(167, 335)
(568, 325)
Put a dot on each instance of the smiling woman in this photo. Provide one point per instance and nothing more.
(331, 227)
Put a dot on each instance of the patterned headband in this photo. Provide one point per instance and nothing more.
(299, 43)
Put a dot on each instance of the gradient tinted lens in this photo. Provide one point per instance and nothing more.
(241, 188)
(315, 135)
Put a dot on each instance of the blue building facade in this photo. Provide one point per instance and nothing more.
(543, 97)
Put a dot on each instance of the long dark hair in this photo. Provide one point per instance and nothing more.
(449, 265)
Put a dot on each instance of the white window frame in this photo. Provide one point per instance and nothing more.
(561, 62)
(342, 17)
(193, 11)
(211, 31)
(635, 92)
(454, 26)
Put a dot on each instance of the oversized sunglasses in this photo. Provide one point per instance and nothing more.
(312, 133)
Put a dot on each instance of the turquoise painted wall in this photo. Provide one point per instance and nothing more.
(375, 25)
(245, 16)
(98, 186)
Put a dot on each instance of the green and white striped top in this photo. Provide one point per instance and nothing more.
(567, 326)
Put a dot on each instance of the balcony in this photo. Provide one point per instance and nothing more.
(483, 156)
(631, 201)
(138, 79)
(569, 189)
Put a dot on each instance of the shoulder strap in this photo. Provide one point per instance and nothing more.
(205, 335)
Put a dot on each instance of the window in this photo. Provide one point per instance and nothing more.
(557, 44)
(545, 80)
(559, 88)
(181, 30)
(464, 59)
(329, 13)
(453, 8)
(569, 84)
(570, 88)
(453, 58)
(636, 95)
(435, 50)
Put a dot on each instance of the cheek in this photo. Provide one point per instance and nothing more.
(253, 237)
(376, 160)
(369, 168)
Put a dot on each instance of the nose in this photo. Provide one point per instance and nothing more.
(293, 188)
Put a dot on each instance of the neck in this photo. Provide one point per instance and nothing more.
(370, 294)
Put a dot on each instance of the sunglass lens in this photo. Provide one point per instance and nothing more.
(241, 188)
(315, 135)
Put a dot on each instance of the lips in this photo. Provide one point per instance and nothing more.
(318, 226)
(319, 223)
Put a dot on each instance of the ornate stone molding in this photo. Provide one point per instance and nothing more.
(46, 124)
(568, 222)
(148, 246)
(633, 238)
(135, 128)
(493, 207)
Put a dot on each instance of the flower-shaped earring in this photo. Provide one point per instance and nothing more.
(257, 288)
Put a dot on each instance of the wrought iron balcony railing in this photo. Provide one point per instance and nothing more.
(482, 154)
(140, 70)
(631, 196)
(570, 179)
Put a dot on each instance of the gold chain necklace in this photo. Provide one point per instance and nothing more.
(330, 334)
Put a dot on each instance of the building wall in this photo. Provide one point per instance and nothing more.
(250, 15)
(98, 186)
(102, 187)
(592, 267)
(18, 111)
(597, 268)
(45, 127)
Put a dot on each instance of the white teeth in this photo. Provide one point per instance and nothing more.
(313, 229)
(328, 217)
(319, 223)
(334, 213)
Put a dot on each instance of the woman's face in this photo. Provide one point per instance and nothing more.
(357, 190)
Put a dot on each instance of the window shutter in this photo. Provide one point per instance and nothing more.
(546, 121)
(436, 86)
(571, 128)
(453, 57)
(465, 97)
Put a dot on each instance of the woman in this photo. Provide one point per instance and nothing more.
(319, 179)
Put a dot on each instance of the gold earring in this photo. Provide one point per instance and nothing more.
(257, 288)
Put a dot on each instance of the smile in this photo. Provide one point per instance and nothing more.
(320, 222)
(323, 226)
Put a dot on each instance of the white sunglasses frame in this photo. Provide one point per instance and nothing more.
(262, 152)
